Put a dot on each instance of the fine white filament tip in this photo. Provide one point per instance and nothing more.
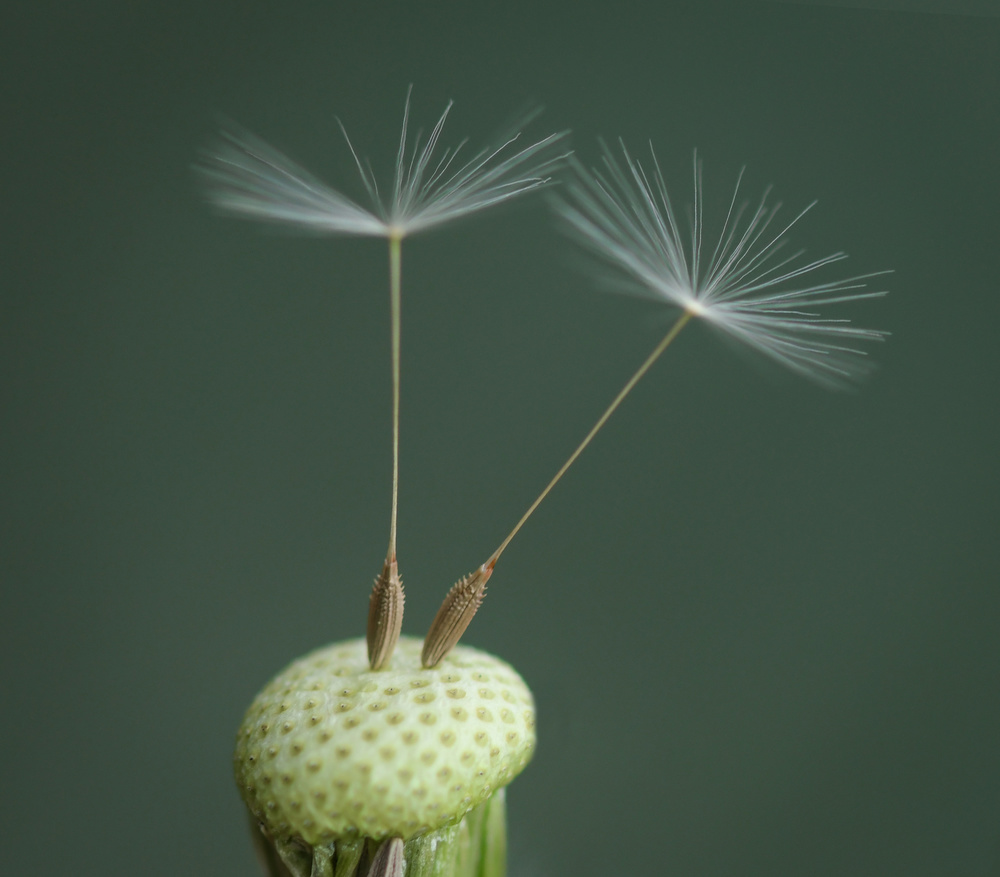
(431, 185)
(741, 280)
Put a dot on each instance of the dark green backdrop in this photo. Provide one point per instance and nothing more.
(760, 619)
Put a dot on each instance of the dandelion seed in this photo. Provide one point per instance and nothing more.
(745, 287)
(430, 187)
(744, 284)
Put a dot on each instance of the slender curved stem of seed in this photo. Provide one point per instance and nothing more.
(385, 605)
(670, 336)
(466, 595)
(395, 248)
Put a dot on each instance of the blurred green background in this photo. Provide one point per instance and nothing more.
(761, 620)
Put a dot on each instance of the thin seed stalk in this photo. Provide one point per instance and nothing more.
(466, 595)
(395, 317)
(655, 355)
(385, 606)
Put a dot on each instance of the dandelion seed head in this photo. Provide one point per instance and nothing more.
(742, 281)
(431, 184)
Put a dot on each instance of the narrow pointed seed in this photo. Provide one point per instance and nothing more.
(388, 861)
(385, 614)
(457, 610)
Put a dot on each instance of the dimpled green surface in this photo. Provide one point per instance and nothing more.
(331, 749)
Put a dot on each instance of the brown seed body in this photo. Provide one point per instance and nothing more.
(385, 614)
